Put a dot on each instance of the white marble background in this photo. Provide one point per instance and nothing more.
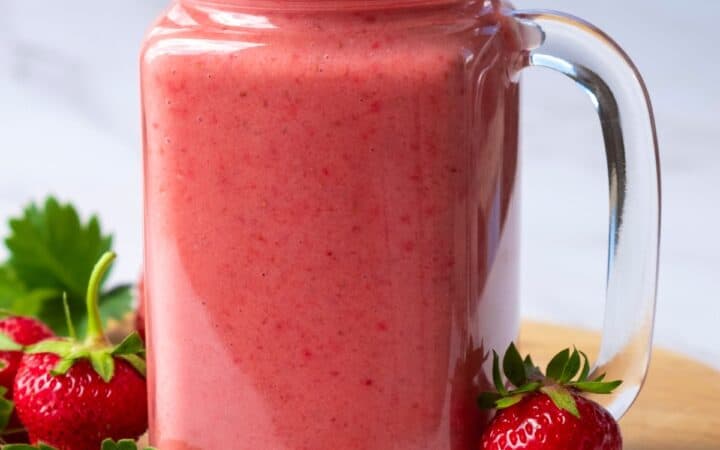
(69, 124)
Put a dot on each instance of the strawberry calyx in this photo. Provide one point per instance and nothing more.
(95, 347)
(567, 372)
(101, 357)
(8, 344)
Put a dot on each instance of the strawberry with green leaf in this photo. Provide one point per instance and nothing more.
(72, 394)
(548, 411)
(51, 252)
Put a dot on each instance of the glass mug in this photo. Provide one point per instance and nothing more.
(331, 192)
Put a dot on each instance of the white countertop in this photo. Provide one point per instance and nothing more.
(70, 125)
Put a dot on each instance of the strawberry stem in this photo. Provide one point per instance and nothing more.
(68, 318)
(95, 333)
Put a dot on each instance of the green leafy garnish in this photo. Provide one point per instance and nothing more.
(51, 252)
(567, 373)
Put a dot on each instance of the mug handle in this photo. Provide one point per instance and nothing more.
(601, 68)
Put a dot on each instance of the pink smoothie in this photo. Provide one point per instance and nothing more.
(331, 226)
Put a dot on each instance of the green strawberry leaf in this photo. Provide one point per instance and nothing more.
(532, 372)
(585, 369)
(50, 247)
(497, 378)
(487, 400)
(117, 302)
(513, 366)
(600, 378)
(103, 363)
(40, 446)
(571, 368)
(10, 286)
(62, 367)
(27, 447)
(597, 387)
(556, 366)
(52, 313)
(60, 347)
(6, 408)
(527, 388)
(123, 444)
(8, 344)
(131, 345)
(562, 398)
(137, 362)
(31, 303)
(16, 298)
(52, 251)
(507, 402)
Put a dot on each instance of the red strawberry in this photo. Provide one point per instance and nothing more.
(20, 331)
(536, 423)
(72, 394)
(78, 410)
(23, 331)
(548, 412)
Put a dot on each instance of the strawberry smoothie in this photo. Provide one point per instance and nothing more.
(331, 224)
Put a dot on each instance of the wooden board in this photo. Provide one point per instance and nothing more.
(679, 407)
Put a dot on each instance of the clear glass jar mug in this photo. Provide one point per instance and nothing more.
(331, 192)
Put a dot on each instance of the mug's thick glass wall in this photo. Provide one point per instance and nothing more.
(331, 221)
